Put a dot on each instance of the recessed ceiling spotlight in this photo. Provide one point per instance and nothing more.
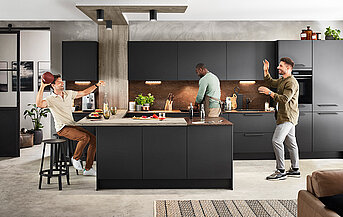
(153, 15)
(100, 15)
(109, 24)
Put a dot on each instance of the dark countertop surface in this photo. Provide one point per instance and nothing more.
(248, 111)
(208, 122)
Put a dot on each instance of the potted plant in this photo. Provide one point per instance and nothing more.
(332, 34)
(140, 101)
(36, 115)
(149, 99)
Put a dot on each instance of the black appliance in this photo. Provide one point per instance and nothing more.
(304, 78)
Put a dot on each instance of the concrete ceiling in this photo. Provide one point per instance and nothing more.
(198, 10)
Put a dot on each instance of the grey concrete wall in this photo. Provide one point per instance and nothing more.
(62, 31)
(225, 30)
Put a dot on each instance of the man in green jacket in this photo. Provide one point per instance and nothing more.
(209, 91)
(287, 117)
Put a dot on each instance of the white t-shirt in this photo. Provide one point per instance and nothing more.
(61, 108)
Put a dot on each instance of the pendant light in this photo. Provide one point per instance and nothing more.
(153, 15)
(100, 15)
(108, 24)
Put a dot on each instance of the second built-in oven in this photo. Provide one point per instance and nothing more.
(304, 78)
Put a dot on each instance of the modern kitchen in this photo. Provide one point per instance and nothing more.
(157, 151)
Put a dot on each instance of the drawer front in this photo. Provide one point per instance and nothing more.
(253, 122)
(252, 142)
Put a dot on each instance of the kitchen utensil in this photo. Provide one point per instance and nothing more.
(233, 100)
(239, 99)
(169, 102)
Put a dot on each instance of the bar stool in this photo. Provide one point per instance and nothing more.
(70, 150)
(57, 160)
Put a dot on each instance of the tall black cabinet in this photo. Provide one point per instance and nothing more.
(328, 96)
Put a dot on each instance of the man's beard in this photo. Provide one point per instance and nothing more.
(281, 72)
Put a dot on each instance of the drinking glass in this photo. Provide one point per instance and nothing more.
(107, 114)
(114, 110)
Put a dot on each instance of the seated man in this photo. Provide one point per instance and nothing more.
(60, 104)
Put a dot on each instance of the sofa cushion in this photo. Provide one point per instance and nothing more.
(327, 182)
(309, 184)
(335, 203)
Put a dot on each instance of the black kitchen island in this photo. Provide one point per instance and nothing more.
(173, 153)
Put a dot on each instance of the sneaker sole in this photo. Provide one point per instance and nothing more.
(277, 179)
(294, 176)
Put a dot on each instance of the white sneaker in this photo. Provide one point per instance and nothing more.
(76, 163)
(90, 172)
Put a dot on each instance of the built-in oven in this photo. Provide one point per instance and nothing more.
(304, 78)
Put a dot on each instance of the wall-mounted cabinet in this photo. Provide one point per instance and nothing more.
(177, 60)
(244, 59)
(212, 54)
(300, 51)
(80, 60)
(152, 60)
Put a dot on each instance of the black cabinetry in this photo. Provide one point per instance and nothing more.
(327, 96)
(244, 59)
(208, 159)
(164, 154)
(303, 131)
(121, 153)
(152, 60)
(327, 73)
(252, 132)
(80, 60)
(212, 54)
(327, 131)
(300, 51)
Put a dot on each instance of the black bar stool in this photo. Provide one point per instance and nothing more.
(70, 150)
(58, 162)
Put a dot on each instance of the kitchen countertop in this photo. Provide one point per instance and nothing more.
(208, 122)
(183, 111)
(156, 111)
(248, 111)
(118, 120)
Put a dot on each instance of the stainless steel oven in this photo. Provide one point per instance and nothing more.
(304, 78)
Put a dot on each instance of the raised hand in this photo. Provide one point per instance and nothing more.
(265, 65)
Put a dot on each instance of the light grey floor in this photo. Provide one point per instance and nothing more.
(19, 194)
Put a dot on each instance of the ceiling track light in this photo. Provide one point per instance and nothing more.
(108, 24)
(153, 15)
(100, 15)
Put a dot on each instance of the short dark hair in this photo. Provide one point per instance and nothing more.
(200, 66)
(288, 61)
(55, 78)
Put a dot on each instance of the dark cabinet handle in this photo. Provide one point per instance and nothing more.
(327, 113)
(253, 134)
(253, 114)
(330, 104)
